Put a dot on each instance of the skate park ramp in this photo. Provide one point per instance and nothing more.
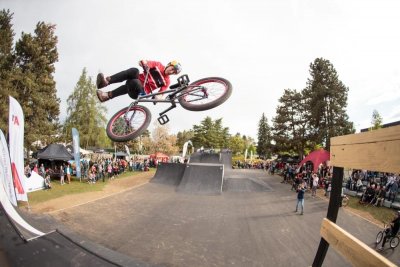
(245, 180)
(205, 157)
(201, 178)
(169, 173)
(226, 159)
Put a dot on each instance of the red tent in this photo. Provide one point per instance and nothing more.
(160, 157)
(316, 157)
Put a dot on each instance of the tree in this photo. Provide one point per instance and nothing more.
(264, 138)
(326, 97)
(376, 120)
(86, 114)
(163, 141)
(183, 137)
(7, 66)
(210, 134)
(237, 144)
(290, 125)
(35, 57)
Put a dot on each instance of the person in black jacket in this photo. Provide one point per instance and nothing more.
(394, 229)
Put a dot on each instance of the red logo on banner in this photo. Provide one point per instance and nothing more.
(15, 120)
(17, 181)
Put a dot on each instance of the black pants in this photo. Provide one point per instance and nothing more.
(133, 87)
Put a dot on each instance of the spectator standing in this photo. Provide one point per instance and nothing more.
(62, 175)
(300, 198)
(42, 171)
(68, 173)
(393, 190)
(315, 180)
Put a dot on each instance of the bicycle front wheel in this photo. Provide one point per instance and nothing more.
(127, 124)
(379, 237)
(205, 94)
(394, 242)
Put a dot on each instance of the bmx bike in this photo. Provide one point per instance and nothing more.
(130, 122)
(392, 240)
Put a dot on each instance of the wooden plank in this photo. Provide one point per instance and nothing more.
(355, 251)
(377, 150)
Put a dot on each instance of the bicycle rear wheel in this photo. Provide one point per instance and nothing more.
(394, 242)
(127, 124)
(379, 237)
(205, 94)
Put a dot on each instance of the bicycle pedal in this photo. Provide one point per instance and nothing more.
(163, 119)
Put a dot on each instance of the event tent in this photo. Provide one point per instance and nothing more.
(160, 157)
(316, 157)
(55, 152)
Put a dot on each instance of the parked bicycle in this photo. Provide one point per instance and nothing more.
(130, 122)
(392, 240)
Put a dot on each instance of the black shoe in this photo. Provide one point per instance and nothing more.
(101, 81)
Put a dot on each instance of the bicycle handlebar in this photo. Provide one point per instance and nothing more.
(174, 86)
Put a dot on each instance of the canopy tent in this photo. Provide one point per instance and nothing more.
(55, 152)
(159, 156)
(316, 157)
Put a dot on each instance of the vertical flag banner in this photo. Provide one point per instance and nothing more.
(127, 151)
(16, 144)
(5, 171)
(77, 151)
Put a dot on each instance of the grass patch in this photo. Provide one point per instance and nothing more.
(382, 214)
(75, 187)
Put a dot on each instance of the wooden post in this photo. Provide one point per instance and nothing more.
(333, 209)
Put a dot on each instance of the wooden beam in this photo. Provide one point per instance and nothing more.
(355, 251)
(377, 150)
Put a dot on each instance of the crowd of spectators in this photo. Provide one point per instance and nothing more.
(91, 171)
(375, 187)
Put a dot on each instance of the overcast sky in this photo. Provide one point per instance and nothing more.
(262, 47)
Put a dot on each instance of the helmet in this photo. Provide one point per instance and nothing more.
(177, 66)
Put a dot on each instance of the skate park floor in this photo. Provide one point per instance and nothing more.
(157, 225)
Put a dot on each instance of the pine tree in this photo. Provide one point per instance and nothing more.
(290, 125)
(210, 134)
(35, 56)
(7, 66)
(86, 114)
(183, 137)
(264, 138)
(376, 120)
(326, 98)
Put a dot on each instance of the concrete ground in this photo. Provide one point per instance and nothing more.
(156, 224)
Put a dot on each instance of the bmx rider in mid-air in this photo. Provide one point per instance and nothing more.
(155, 76)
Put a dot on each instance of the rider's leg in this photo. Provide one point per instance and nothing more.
(134, 87)
(132, 73)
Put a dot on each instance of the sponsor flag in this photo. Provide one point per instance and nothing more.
(16, 144)
(127, 151)
(5, 171)
(77, 151)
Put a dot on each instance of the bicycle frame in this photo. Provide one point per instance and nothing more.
(173, 98)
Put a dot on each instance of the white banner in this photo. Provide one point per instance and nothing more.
(34, 182)
(5, 171)
(16, 144)
(127, 151)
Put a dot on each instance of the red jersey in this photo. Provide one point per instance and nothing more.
(156, 78)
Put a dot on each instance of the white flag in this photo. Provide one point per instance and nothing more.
(16, 144)
(127, 151)
(5, 171)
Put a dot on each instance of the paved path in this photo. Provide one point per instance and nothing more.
(155, 224)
